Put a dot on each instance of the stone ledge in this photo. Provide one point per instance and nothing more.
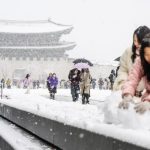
(4, 145)
(64, 136)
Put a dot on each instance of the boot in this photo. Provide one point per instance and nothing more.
(51, 96)
(83, 99)
(87, 98)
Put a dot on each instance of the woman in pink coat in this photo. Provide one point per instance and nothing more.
(141, 69)
(27, 82)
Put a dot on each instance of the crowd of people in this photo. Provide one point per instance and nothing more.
(79, 81)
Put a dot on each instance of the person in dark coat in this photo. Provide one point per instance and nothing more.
(38, 84)
(3, 83)
(112, 77)
(74, 78)
(117, 71)
(53, 86)
(34, 84)
(100, 83)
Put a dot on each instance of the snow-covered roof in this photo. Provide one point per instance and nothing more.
(36, 26)
(65, 45)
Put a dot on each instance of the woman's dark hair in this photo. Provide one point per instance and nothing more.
(140, 32)
(146, 66)
(27, 76)
(82, 70)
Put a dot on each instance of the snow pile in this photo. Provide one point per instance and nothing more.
(127, 118)
(111, 108)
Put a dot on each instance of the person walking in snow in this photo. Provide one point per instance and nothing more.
(128, 58)
(48, 81)
(112, 77)
(34, 84)
(93, 83)
(8, 83)
(3, 83)
(100, 83)
(85, 85)
(38, 84)
(141, 69)
(74, 78)
(26, 83)
(53, 82)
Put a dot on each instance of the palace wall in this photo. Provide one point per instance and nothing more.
(39, 69)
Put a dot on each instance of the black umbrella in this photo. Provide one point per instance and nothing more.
(82, 60)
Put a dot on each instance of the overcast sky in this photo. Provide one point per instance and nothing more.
(102, 28)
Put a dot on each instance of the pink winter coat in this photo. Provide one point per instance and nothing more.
(26, 82)
(135, 75)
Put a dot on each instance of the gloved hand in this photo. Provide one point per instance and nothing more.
(142, 107)
(125, 102)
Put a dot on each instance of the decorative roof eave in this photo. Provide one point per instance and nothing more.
(40, 47)
(37, 26)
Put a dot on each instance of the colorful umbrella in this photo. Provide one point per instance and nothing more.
(80, 66)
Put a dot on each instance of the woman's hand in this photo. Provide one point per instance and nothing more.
(142, 107)
(125, 101)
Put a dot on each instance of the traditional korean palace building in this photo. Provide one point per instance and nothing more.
(35, 47)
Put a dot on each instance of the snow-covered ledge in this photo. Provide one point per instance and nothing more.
(69, 137)
(65, 123)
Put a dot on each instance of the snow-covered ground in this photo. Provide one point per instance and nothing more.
(100, 116)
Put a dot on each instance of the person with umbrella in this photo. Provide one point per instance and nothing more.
(85, 85)
(74, 78)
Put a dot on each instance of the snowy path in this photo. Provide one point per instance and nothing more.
(69, 99)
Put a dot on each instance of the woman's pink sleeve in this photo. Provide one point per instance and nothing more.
(133, 79)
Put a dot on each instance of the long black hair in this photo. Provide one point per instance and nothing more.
(140, 32)
(27, 76)
(146, 66)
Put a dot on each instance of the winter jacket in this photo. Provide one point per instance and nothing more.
(8, 82)
(112, 77)
(126, 65)
(74, 79)
(85, 83)
(134, 78)
(26, 82)
(53, 82)
(48, 81)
